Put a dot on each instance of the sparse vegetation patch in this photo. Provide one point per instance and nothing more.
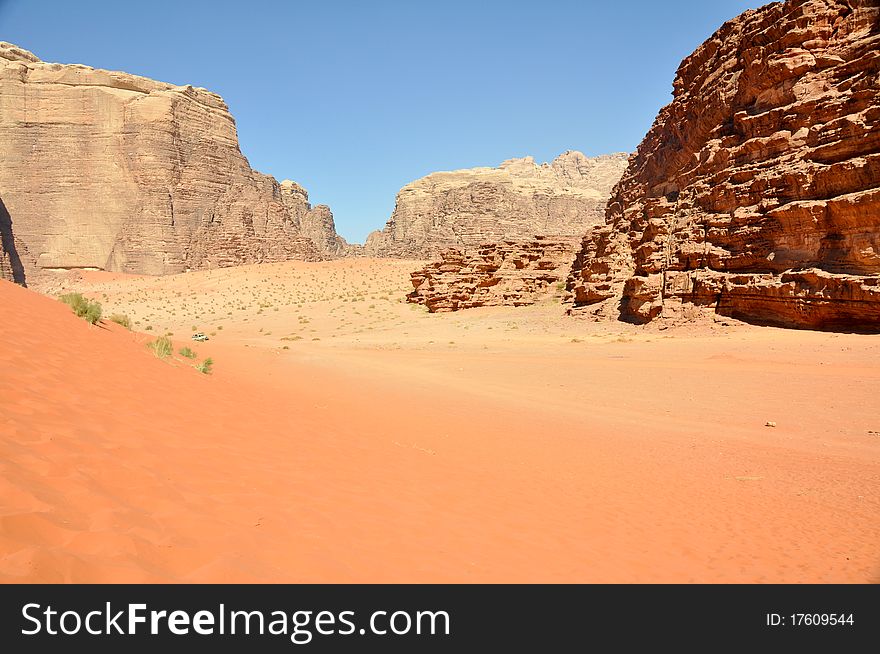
(89, 310)
(205, 366)
(121, 319)
(187, 352)
(161, 347)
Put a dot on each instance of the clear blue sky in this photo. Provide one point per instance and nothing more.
(355, 99)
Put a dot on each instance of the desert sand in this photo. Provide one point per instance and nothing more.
(346, 436)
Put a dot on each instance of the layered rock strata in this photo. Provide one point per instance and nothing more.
(756, 193)
(118, 172)
(511, 273)
(465, 208)
(315, 223)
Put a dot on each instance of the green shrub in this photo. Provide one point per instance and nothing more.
(161, 347)
(205, 366)
(89, 310)
(92, 313)
(121, 319)
(72, 300)
(187, 352)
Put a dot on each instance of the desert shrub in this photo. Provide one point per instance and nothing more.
(72, 300)
(161, 347)
(121, 319)
(187, 352)
(89, 310)
(92, 313)
(205, 366)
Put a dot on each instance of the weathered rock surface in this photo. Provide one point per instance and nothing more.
(466, 208)
(509, 272)
(109, 170)
(315, 223)
(756, 193)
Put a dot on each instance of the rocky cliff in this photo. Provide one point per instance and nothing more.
(756, 193)
(466, 208)
(315, 223)
(508, 272)
(109, 170)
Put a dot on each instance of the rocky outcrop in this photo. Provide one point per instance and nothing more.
(315, 223)
(756, 193)
(112, 171)
(465, 208)
(509, 272)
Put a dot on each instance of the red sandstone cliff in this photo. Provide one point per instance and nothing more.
(504, 273)
(756, 193)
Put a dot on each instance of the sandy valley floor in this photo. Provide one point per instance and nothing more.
(345, 436)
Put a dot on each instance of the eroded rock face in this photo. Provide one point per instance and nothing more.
(756, 193)
(112, 171)
(509, 273)
(466, 208)
(315, 223)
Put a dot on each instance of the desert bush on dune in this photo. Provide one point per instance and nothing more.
(187, 352)
(205, 366)
(121, 319)
(89, 310)
(161, 347)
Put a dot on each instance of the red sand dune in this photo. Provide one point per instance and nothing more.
(117, 466)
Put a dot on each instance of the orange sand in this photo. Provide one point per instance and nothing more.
(493, 445)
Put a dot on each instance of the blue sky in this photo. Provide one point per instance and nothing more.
(355, 99)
